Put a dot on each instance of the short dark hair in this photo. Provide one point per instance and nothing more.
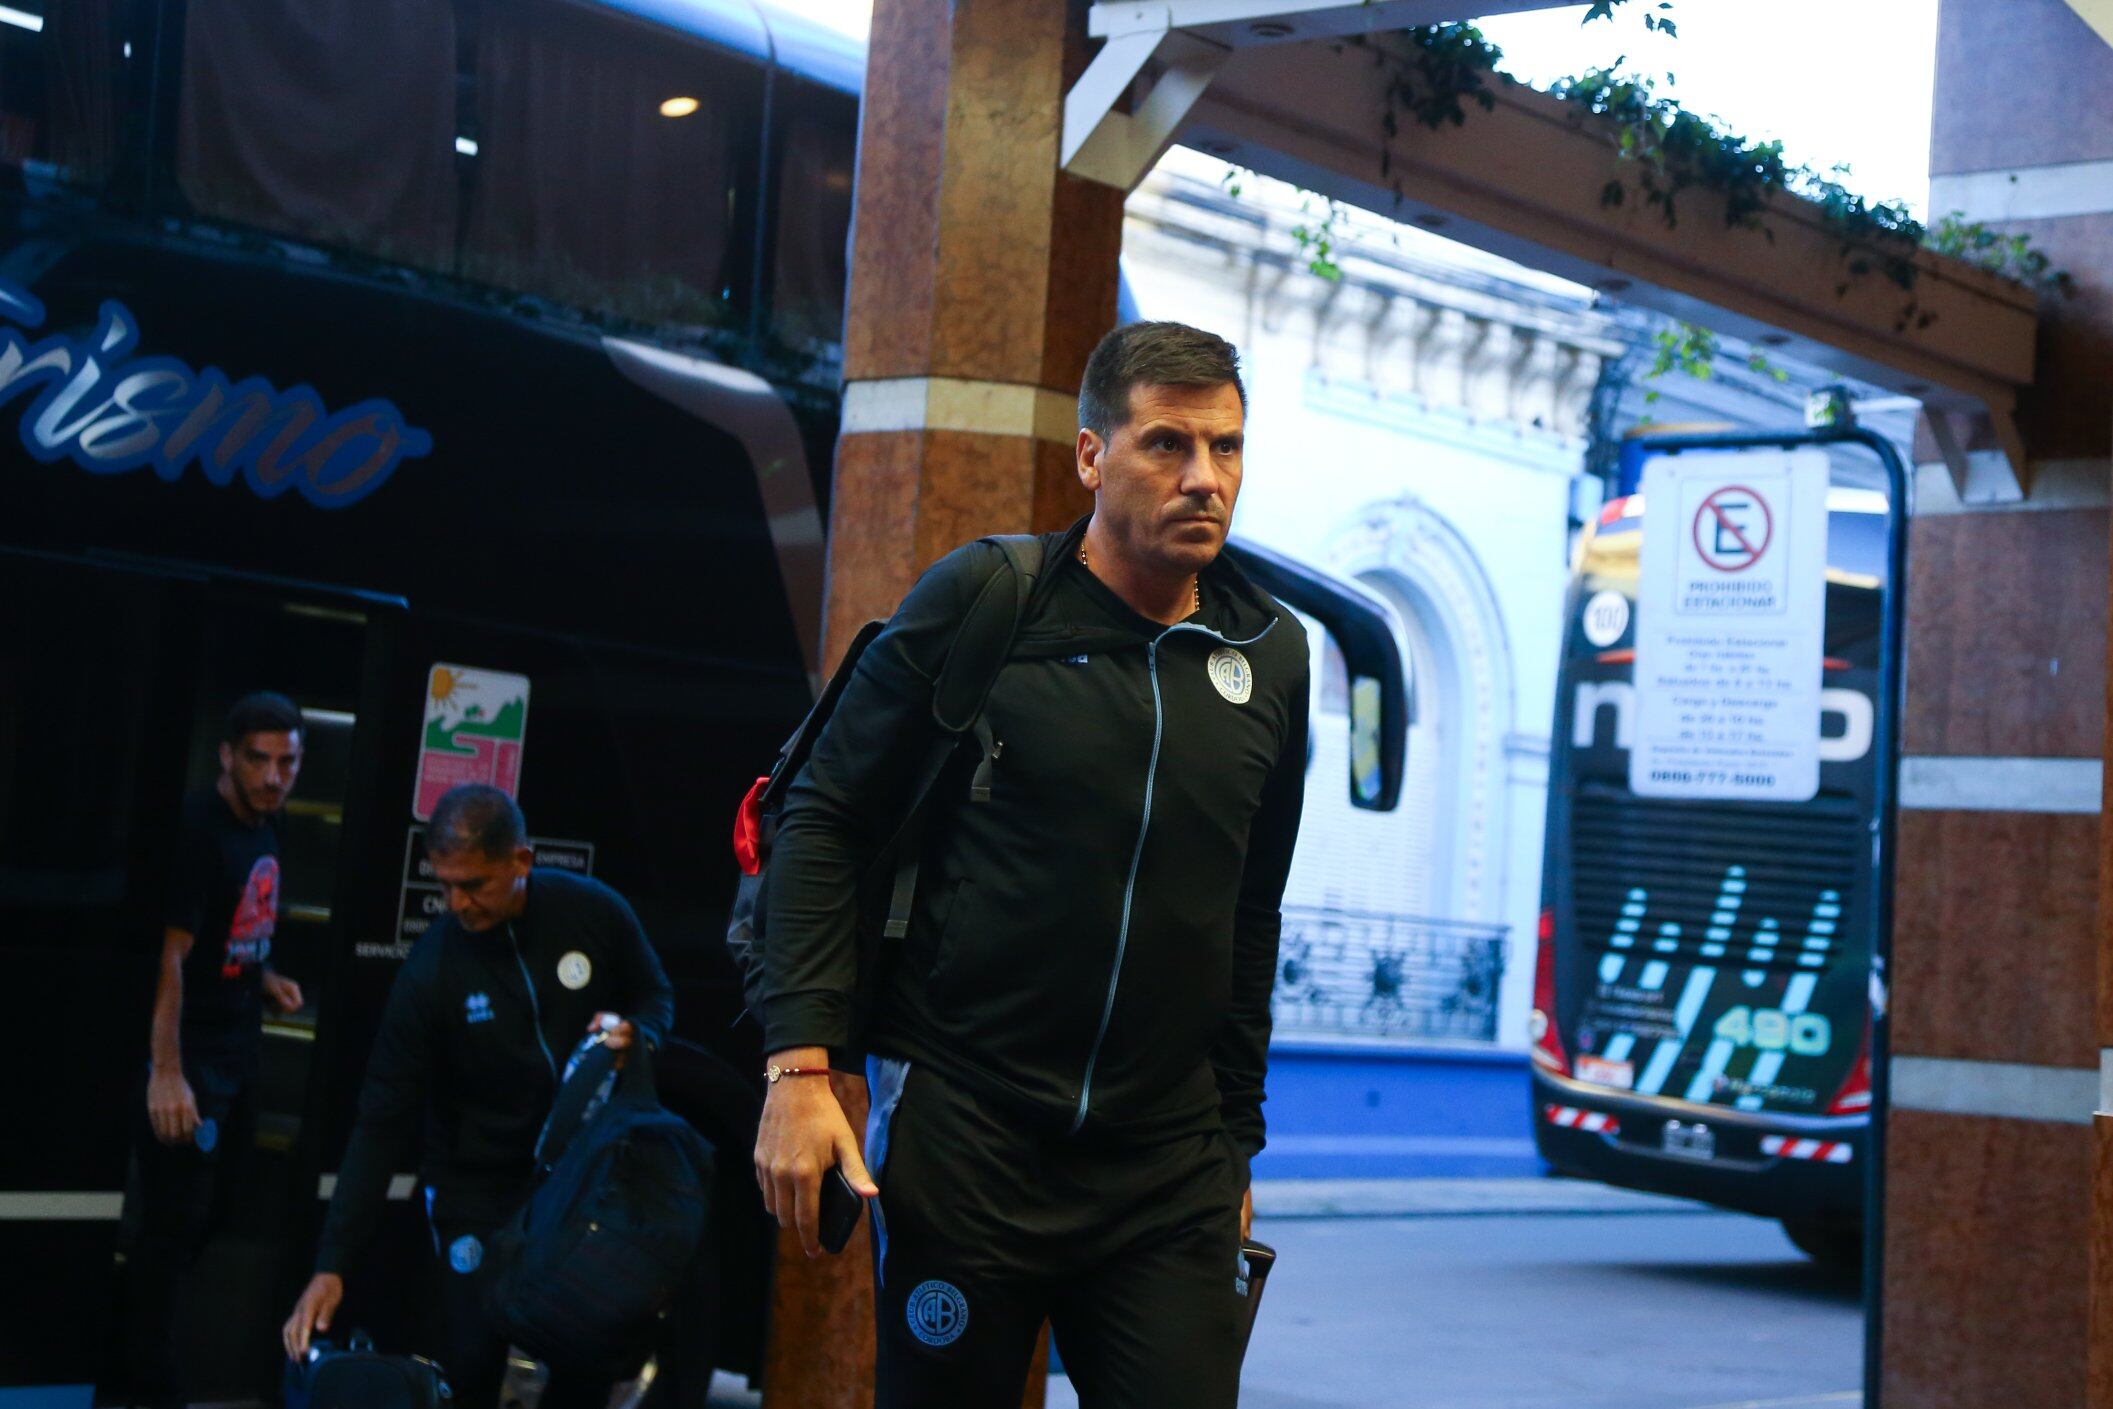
(476, 817)
(1152, 354)
(264, 712)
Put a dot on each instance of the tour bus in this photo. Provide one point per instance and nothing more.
(1699, 1022)
(469, 374)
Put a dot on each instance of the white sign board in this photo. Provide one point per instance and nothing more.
(1730, 619)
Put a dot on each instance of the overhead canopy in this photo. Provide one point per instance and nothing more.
(1526, 180)
(2098, 14)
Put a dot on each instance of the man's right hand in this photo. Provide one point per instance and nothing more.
(171, 1108)
(312, 1312)
(804, 1134)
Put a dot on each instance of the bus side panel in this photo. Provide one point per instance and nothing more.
(91, 766)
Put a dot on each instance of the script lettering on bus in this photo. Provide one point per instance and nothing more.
(110, 412)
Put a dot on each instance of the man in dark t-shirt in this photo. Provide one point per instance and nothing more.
(221, 910)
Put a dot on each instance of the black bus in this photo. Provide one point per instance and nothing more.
(418, 360)
(466, 370)
(1700, 1020)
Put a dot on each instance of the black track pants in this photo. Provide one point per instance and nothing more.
(986, 1230)
(471, 1352)
(180, 1195)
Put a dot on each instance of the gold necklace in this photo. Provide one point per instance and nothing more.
(1195, 587)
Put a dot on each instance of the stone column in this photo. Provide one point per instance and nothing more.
(981, 278)
(1995, 1234)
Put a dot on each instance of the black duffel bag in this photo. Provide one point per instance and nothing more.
(361, 1377)
(591, 1263)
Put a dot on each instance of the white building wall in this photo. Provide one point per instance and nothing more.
(1419, 437)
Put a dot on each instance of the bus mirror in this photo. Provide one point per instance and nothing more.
(1367, 781)
(1363, 628)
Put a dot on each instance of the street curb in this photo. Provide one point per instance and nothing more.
(1458, 1198)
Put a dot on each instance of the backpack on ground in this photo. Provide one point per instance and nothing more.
(357, 1376)
(594, 1260)
(959, 693)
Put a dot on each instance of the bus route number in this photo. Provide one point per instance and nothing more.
(1773, 1030)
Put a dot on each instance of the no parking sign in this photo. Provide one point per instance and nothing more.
(1730, 621)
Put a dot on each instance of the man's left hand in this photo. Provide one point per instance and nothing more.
(283, 991)
(616, 1030)
(1247, 1213)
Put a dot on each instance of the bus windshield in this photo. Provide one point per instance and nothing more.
(1708, 951)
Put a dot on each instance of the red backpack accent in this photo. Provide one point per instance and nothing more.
(982, 643)
(748, 830)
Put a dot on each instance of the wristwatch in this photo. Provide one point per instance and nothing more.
(772, 1072)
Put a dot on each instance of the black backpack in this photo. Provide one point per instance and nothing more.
(616, 1224)
(979, 652)
(360, 1377)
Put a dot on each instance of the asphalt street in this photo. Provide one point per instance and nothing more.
(1547, 1311)
(1542, 1294)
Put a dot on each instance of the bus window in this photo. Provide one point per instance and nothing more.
(564, 151)
(609, 157)
(63, 70)
(814, 215)
(330, 122)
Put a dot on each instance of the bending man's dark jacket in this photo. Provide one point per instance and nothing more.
(1096, 944)
(477, 1029)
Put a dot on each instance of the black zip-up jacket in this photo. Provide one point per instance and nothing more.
(1095, 944)
(476, 1031)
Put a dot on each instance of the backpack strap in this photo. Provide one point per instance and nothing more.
(597, 1081)
(801, 743)
(959, 694)
(991, 747)
(635, 1082)
(984, 639)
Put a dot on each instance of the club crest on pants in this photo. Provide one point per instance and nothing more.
(938, 1312)
(466, 1254)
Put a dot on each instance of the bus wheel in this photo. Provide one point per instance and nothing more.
(1837, 1246)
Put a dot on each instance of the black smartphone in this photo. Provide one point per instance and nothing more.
(841, 1207)
(1255, 1261)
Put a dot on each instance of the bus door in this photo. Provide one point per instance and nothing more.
(115, 676)
(326, 650)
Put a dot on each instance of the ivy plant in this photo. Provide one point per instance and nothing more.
(1691, 349)
(1445, 70)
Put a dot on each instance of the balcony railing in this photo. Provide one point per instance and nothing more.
(1350, 973)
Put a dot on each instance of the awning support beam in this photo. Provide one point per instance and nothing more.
(1984, 476)
(1116, 148)
(1181, 45)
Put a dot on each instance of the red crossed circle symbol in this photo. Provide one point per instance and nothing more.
(1710, 512)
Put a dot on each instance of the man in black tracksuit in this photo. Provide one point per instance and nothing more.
(479, 1024)
(1069, 1047)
